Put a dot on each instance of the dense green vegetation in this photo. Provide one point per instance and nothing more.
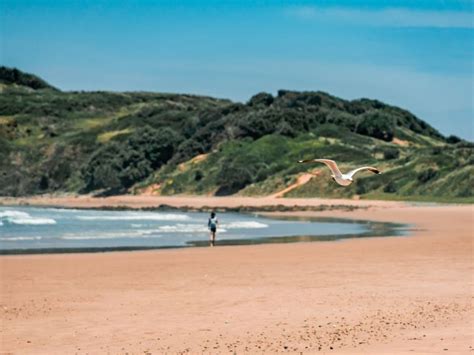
(17, 77)
(109, 143)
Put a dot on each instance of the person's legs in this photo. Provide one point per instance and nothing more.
(213, 237)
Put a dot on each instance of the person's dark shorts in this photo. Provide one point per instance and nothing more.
(213, 229)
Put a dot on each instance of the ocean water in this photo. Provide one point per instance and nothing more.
(27, 228)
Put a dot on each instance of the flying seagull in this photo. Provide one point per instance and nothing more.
(337, 176)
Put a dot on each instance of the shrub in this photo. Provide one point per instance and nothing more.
(329, 130)
(437, 150)
(377, 125)
(453, 139)
(390, 188)
(342, 119)
(427, 175)
(198, 175)
(156, 145)
(10, 76)
(117, 166)
(285, 129)
(391, 153)
(262, 98)
(102, 169)
(188, 149)
(361, 187)
(238, 171)
(255, 126)
(232, 177)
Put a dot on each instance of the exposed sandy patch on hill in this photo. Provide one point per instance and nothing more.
(301, 180)
(197, 159)
(400, 142)
(151, 190)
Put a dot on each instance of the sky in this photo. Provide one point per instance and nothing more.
(416, 54)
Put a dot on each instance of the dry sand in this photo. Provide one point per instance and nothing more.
(143, 201)
(379, 295)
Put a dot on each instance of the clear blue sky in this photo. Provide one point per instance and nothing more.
(414, 54)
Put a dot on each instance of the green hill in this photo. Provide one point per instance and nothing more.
(110, 143)
(13, 76)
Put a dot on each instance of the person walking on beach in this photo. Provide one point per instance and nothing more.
(212, 224)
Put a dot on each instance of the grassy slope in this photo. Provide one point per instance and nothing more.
(47, 138)
(452, 179)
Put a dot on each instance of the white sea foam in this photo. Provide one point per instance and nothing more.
(14, 239)
(200, 228)
(245, 225)
(186, 228)
(137, 217)
(19, 217)
(132, 234)
(13, 214)
(32, 220)
(66, 210)
(183, 228)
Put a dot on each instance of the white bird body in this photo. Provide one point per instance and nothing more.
(337, 176)
(343, 180)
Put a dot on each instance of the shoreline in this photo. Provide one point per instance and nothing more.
(372, 229)
(367, 295)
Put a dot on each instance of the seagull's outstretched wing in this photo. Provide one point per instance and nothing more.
(351, 173)
(331, 164)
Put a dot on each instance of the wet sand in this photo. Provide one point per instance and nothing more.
(376, 295)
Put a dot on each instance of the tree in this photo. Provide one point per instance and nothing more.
(118, 166)
(156, 145)
(452, 139)
(376, 124)
(262, 98)
(233, 177)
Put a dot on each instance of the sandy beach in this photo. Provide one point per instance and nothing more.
(409, 294)
(149, 201)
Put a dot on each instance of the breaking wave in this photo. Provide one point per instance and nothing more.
(113, 235)
(19, 217)
(245, 225)
(15, 239)
(200, 228)
(137, 217)
(183, 228)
